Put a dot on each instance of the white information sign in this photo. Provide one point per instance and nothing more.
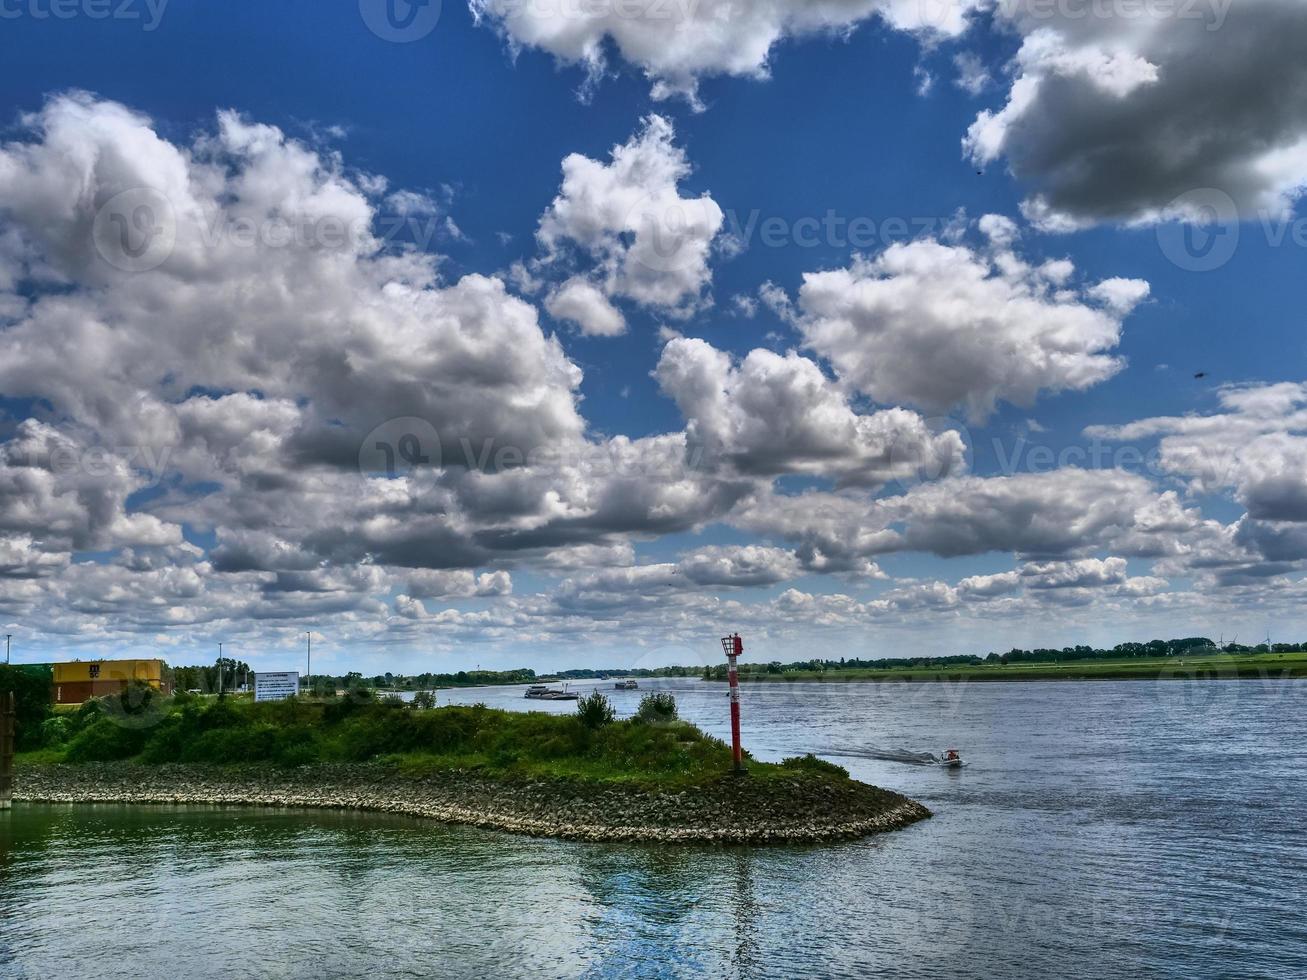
(276, 686)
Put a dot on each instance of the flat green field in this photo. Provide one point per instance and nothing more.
(1213, 667)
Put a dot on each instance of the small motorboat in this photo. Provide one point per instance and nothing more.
(951, 759)
(537, 691)
(626, 686)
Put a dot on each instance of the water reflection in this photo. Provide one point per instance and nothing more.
(1092, 835)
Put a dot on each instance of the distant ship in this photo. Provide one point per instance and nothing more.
(626, 686)
(542, 692)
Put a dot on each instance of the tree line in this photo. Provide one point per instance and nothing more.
(1152, 650)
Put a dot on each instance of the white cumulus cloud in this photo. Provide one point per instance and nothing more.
(942, 326)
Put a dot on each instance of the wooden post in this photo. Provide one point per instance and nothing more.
(8, 712)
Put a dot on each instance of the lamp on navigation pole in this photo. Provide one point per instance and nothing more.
(8, 637)
(733, 646)
(308, 664)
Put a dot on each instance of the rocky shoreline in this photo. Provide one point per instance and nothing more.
(799, 810)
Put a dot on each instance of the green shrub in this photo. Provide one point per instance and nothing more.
(303, 754)
(595, 711)
(424, 700)
(54, 732)
(166, 741)
(355, 699)
(659, 707)
(810, 763)
(90, 712)
(105, 741)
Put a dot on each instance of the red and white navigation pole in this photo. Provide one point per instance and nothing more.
(734, 646)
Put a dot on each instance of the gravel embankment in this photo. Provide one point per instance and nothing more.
(735, 811)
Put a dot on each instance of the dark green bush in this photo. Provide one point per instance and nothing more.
(166, 740)
(354, 700)
(54, 732)
(595, 711)
(90, 712)
(810, 763)
(32, 688)
(106, 741)
(657, 707)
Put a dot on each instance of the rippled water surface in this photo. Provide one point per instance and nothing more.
(1100, 830)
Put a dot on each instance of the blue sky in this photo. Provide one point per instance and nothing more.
(1046, 454)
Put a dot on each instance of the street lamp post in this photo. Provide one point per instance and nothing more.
(220, 668)
(308, 665)
(8, 637)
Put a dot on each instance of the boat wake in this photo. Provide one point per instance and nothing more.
(910, 758)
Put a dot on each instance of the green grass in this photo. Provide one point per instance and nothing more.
(362, 730)
(1201, 667)
(38, 757)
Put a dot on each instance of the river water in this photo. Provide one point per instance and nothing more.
(1102, 829)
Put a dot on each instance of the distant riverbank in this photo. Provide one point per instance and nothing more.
(802, 808)
(1285, 666)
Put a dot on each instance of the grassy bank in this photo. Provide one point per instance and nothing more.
(585, 776)
(361, 728)
(1280, 666)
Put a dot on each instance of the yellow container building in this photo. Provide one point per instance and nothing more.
(81, 680)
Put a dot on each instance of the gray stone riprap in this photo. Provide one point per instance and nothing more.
(732, 811)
